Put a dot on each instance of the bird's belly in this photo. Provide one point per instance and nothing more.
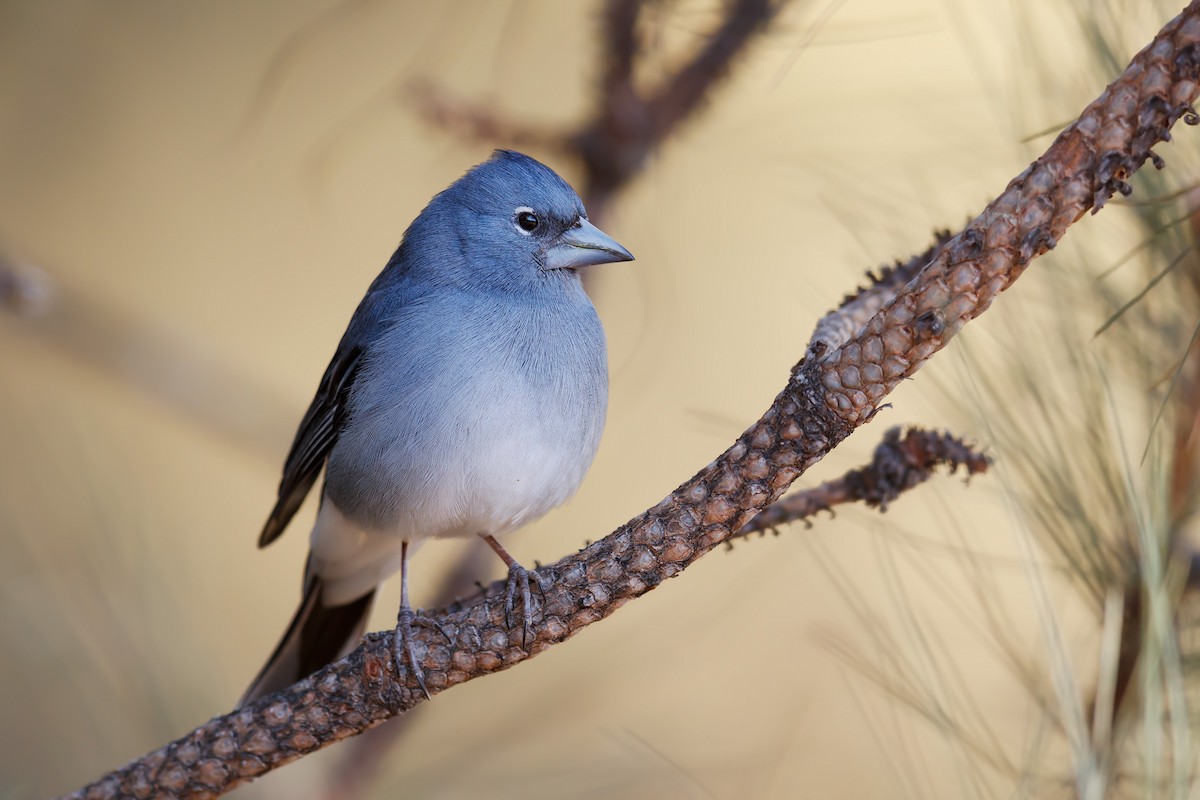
(515, 475)
(520, 474)
(482, 462)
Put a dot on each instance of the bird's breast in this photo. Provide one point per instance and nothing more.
(472, 417)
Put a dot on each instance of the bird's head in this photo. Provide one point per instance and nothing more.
(516, 219)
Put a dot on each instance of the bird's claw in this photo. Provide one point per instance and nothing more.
(430, 622)
(519, 576)
(402, 647)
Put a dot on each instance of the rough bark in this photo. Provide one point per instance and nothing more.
(903, 460)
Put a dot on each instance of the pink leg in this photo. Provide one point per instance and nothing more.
(402, 641)
(517, 576)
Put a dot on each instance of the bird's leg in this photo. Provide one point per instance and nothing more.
(517, 576)
(402, 641)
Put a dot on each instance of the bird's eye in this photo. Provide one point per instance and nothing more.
(527, 221)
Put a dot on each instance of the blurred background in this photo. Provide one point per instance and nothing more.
(193, 198)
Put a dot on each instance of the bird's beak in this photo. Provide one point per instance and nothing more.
(582, 245)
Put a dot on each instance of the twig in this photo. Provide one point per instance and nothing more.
(903, 460)
(24, 289)
(824, 400)
(470, 121)
(628, 124)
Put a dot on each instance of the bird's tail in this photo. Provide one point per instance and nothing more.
(317, 635)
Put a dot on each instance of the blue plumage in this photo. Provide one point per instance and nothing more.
(466, 397)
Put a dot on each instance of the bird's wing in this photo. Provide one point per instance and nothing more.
(326, 416)
(315, 438)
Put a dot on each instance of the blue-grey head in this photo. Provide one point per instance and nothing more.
(514, 221)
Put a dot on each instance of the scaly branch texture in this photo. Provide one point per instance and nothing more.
(903, 460)
(857, 308)
(835, 388)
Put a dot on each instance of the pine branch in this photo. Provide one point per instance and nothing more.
(903, 460)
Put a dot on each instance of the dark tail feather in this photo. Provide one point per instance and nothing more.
(317, 635)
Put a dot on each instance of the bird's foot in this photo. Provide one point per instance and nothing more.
(518, 578)
(402, 646)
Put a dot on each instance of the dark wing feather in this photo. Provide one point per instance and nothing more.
(318, 431)
(328, 413)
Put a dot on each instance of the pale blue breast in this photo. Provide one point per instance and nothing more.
(473, 413)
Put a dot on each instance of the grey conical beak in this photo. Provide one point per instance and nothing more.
(582, 245)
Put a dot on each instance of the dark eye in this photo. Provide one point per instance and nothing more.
(527, 221)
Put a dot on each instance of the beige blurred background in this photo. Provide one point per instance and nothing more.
(206, 189)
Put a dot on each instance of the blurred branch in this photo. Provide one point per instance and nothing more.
(628, 124)
(181, 373)
(24, 289)
(469, 121)
(827, 396)
(903, 460)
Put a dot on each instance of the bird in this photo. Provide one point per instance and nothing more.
(466, 398)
